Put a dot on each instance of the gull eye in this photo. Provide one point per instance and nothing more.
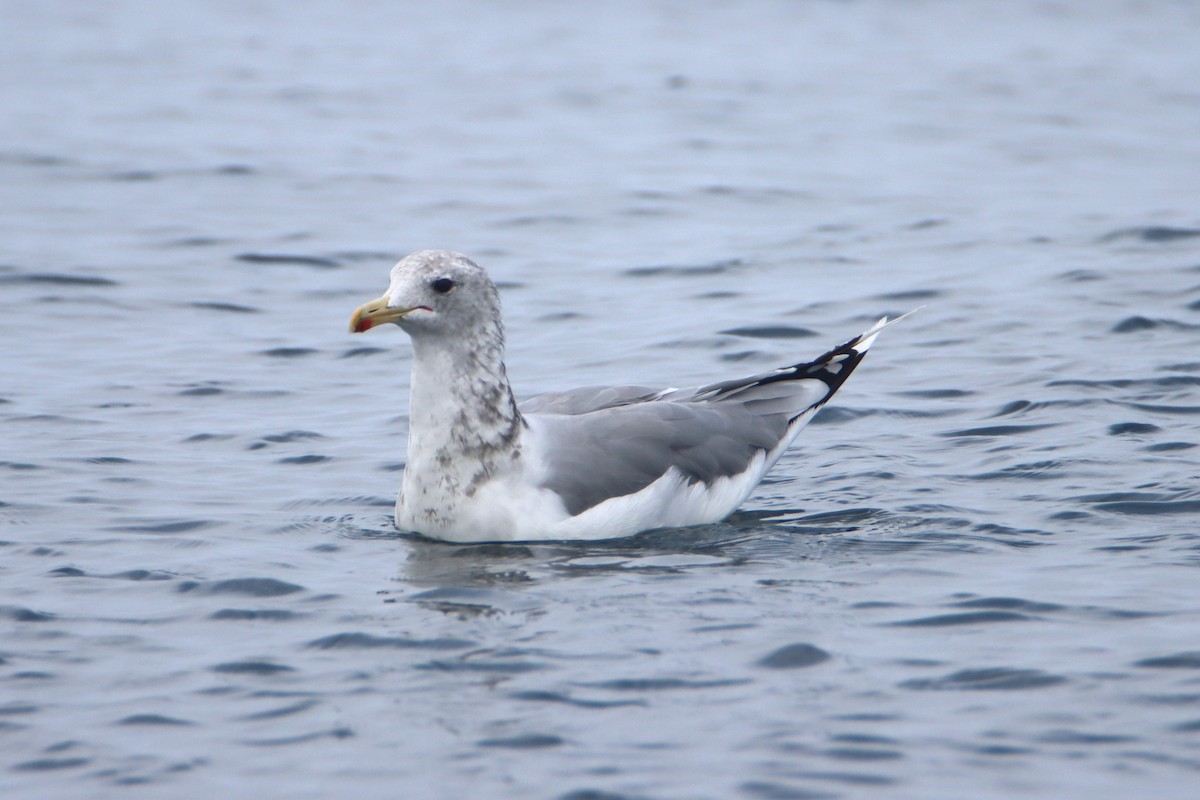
(443, 285)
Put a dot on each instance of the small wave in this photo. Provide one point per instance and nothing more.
(685, 271)
(1168, 382)
(204, 390)
(21, 614)
(501, 667)
(251, 668)
(197, 241)
(1072, 737)
(1081, 276)
(292, 436)
(1152, 233)
(1154, 408)
(251, 587)
(1010, 604)
(665, 684)
(56, 279)
(794, 656)
(1122, 428)
(527, 220)
(289, 352)
(173, 526)
(304, 738)
(50, 764)
(987, 679)
(209, 437)
(742, 355)
(311, 458)
(528, 741)
(357, 352)
(1151, 507)
(936, 394)
(542, 696)
(281, 711)
(288, 259)
(912, 295)
(468, 597)
(1035, 471)
(153, 720)
(998, 430)
(25, 159)
(365, 255)
(1140, 323)
(360, 641)
(770, 332)
(965, 618)
(1189, 660)
(248, 614)
(230, 307)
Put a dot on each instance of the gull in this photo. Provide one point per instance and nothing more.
(598, 462)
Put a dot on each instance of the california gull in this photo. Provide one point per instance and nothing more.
(592, 463)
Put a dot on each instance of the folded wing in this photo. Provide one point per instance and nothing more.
(604, 442)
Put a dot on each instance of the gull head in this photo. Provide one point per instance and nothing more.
(433, 291)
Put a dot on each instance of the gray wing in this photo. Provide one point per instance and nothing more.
(584, 399)
(633, 436)
(621, 450)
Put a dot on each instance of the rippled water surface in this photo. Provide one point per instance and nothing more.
(976, 575)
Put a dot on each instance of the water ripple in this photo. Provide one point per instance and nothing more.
(988, 679)
(358, 640)
(288, 260)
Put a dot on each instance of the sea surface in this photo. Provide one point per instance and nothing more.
(976, 575)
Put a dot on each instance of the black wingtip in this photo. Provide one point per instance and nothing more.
(831, 368)
(835, 366)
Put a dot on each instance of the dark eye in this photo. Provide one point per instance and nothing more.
(443, 285)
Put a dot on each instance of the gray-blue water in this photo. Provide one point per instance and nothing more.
(975, 576)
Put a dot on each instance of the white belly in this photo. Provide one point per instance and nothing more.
(514, 508)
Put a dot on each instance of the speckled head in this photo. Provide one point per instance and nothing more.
(434, 292)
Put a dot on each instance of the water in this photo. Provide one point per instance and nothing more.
(975, 576)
